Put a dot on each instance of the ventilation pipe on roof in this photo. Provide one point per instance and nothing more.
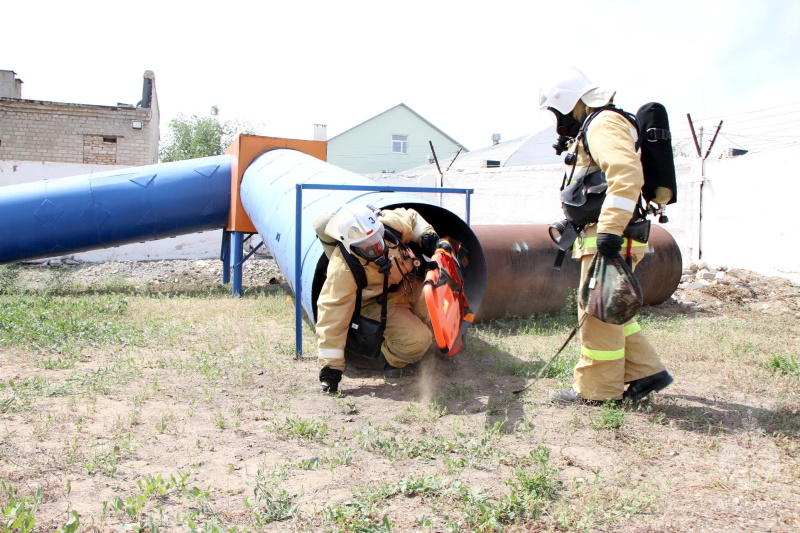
(147, 89)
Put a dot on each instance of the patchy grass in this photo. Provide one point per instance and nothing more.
(173, 407)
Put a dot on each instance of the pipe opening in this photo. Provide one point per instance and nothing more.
(445, 223)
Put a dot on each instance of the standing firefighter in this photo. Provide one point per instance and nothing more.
(612, 356)
(373, 244)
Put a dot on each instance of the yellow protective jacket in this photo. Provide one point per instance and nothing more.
(612, 141)
(337, 299)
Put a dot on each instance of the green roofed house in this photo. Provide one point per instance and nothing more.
(393, 141)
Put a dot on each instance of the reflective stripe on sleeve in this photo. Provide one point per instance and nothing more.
(603, 355)
(619, 202)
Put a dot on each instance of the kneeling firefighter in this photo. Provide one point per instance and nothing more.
(599, 137)
(372, 274)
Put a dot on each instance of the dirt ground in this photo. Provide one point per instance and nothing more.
(222, 400)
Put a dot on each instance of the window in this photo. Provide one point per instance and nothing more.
(100, 149)
(400, 144)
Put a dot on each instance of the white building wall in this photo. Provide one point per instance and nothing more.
(748, 212)
(16, 172)
(738, 223)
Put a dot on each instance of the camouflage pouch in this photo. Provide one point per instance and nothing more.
(610, 292)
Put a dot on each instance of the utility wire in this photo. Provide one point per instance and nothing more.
(771, 126)
(763, 118)
(748, 112)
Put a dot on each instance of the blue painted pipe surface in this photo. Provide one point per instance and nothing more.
(87, 212)
(269, 195)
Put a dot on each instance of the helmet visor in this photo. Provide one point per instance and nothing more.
(370, 247)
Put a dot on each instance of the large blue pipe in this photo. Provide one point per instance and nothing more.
(81, 213)
(269, 192)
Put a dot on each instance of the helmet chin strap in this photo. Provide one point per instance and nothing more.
(383, 261)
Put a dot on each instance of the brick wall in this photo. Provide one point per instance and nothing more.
(34, 130)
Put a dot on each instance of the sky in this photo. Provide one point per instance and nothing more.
(471, 68)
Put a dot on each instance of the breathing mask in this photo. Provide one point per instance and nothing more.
(567, 127)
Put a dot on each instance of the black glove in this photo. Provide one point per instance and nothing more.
(329, 380)
(428, 242)
(609, 244)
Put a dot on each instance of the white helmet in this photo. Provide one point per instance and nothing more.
(570, 86)
(359, 229)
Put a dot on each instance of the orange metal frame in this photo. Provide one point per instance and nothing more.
(243, 151)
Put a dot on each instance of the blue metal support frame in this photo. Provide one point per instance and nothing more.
(237, 247)
(225, 256)
(232, 255)
(298, 306)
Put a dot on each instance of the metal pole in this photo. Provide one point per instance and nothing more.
(701, 141)
(694, 136)
(298, 271)
(225, 257)
(236, 258)
(713, 140)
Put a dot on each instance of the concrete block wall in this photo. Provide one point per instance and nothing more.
(34, 130)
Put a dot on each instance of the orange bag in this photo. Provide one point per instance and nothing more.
(445, 298)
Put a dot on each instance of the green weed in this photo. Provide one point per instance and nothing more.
(458, 451)
(610, 417)
(20, 395)
(141, 511)
(19, 513)
(306, 430)
(361, 513)
(534, 484)
(271, 502)
(786, 364)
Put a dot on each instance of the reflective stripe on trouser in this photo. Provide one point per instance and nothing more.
(591, 242)
(406, 338)
(611, 355)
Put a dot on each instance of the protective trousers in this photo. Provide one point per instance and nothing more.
(611, 355)
(406, 338)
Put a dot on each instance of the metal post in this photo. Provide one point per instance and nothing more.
(225, 257)
(236, 258)
(298, 271)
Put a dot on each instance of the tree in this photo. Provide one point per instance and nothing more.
(200, 136)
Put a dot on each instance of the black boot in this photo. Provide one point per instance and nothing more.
(329, 380)
(640, 388)
(389, 371)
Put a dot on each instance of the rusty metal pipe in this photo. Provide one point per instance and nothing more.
(519, 262)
